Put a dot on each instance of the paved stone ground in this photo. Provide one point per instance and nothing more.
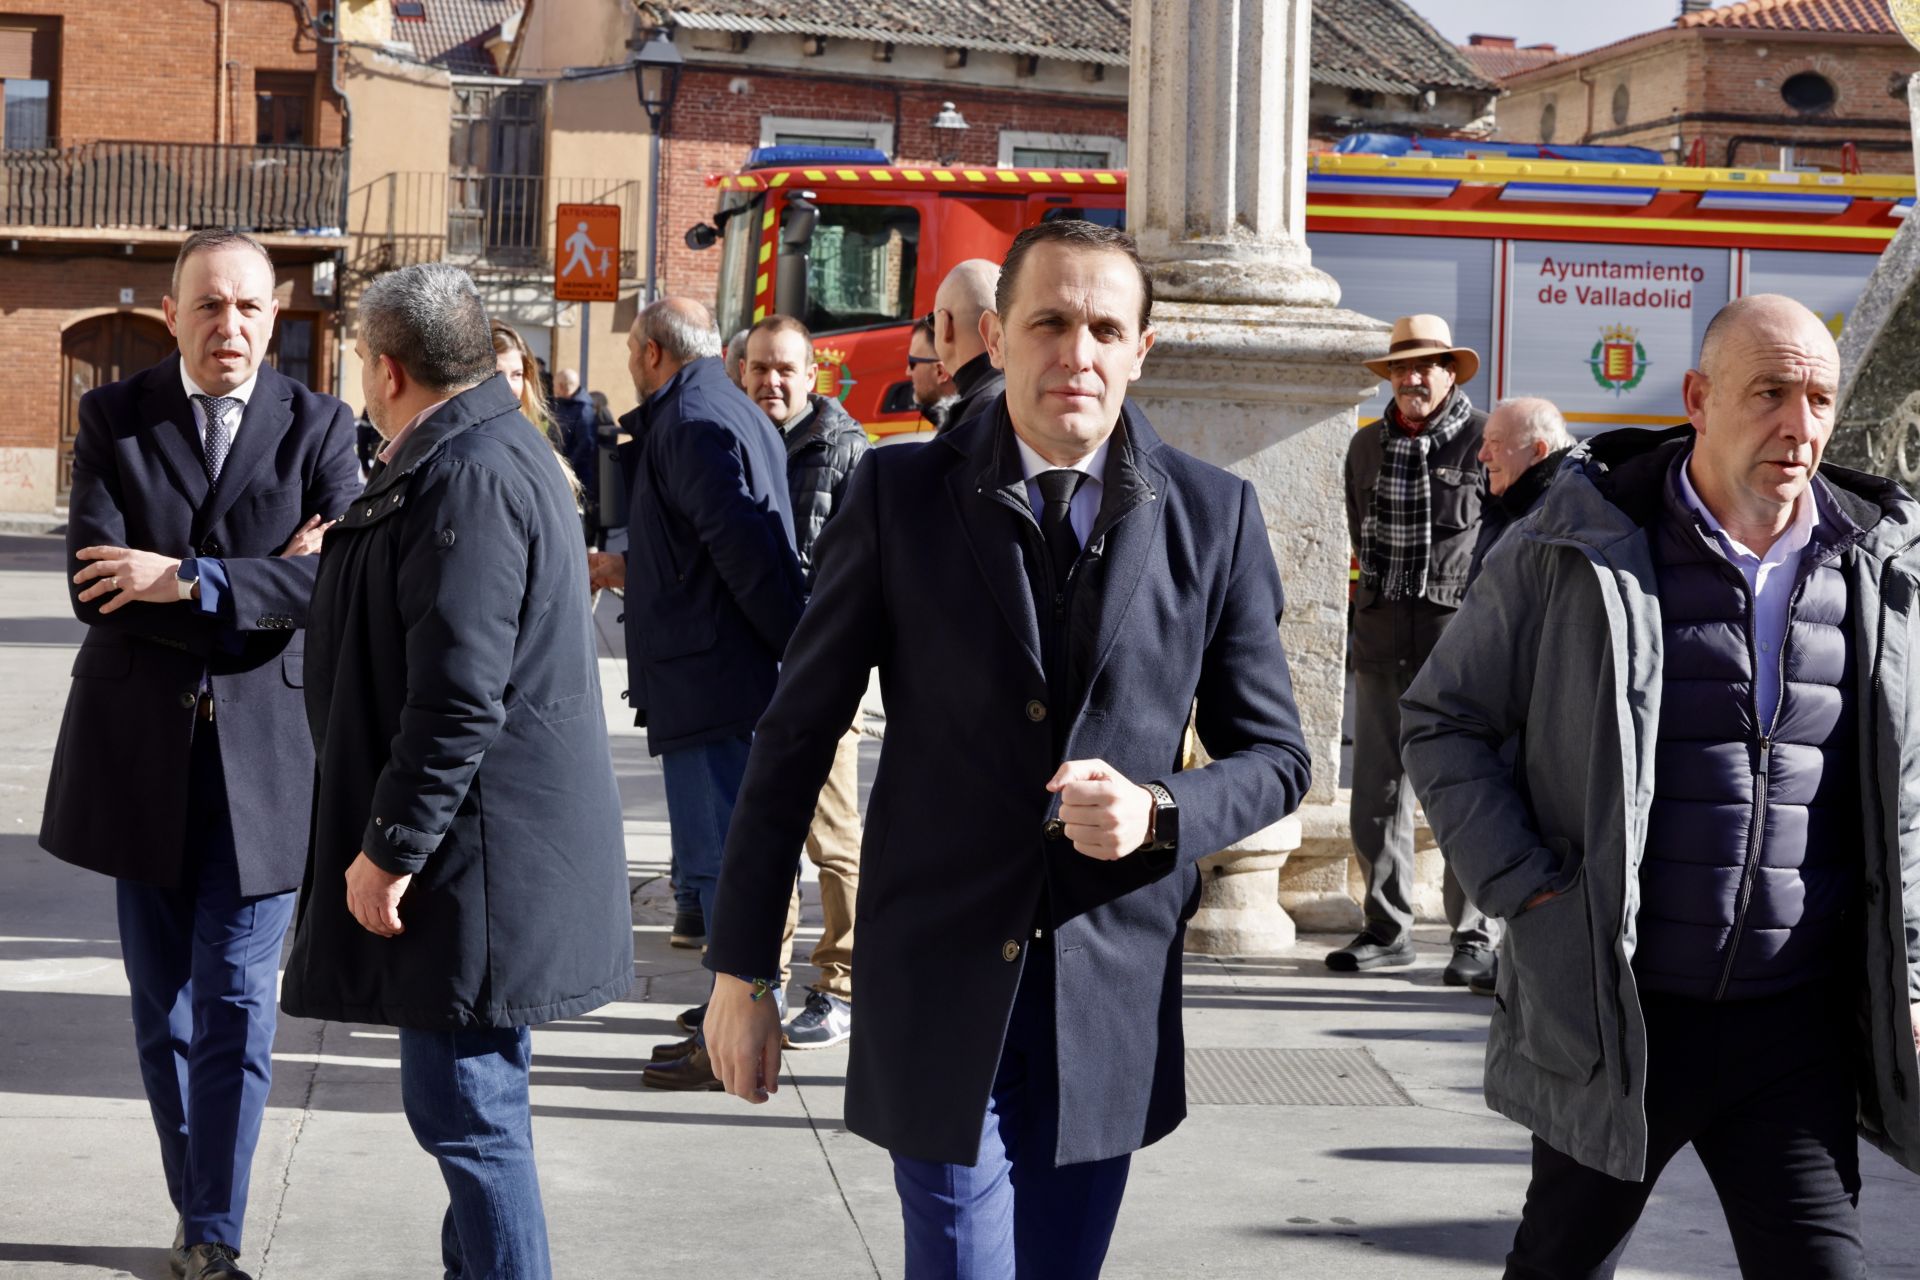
(646, 1184)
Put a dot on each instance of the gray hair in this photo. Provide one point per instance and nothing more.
(1538, 420)
(430, 320)
(682, 328)
(736, 352)
(216, 238)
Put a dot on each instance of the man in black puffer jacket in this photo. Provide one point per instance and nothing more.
(824, 444)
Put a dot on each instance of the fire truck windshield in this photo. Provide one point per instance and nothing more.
(734, 299)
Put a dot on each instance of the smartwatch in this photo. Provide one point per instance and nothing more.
(1163, 827)
(187, 577)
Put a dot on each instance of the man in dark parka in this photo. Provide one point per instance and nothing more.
(467, 875)
(1048, 591)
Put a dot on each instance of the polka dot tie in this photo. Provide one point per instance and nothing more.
(219, 411)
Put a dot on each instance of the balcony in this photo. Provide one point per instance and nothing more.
(173, 186)
(497, 226)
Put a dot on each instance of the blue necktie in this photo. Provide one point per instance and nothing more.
(219, 435)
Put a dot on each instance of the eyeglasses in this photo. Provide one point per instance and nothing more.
(914, 362)
(1418, 364)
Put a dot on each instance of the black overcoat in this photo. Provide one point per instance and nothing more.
(923, 573)
(140, 481)
(713, 586)
(454, 698)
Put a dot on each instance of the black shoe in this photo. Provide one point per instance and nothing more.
(689, 1020)
(689, 930)
(177, 1256)
(211, 1261)
(1368, 952)
(1469, 962)
(1481, 984)
(691, 1074)
(675, 1051)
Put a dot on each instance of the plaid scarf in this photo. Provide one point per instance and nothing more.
(1396, 536)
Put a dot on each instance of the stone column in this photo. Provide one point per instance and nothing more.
(1256, 368)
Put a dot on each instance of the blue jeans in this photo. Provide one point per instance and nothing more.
(1013, 1214)
(465, 1094)
(702, 784)
(201, 962)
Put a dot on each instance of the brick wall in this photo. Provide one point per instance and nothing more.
(1698, 75)
(150, 71)
(715, 124)
(42, 296)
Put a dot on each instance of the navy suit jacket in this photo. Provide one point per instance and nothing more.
(139, 481)
(713, 585)
(923, 573)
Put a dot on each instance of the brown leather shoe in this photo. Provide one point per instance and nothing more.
(676, 1050)
(691, 1074)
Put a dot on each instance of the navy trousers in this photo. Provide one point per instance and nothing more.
(202, 962)
(1012, 1214)
(702, 785)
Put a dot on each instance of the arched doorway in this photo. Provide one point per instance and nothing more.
(98, 351)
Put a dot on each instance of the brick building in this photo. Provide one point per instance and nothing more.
(1756, 84)
(1038, 85)
(117, 135)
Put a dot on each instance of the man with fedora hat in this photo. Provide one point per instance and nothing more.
(1413, 512)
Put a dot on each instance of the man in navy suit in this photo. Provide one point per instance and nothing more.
(1048, 591)
(201, 490)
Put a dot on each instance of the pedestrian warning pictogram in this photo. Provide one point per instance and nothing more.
(586, 262)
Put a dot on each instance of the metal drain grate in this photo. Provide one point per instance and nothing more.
(1290, 1078)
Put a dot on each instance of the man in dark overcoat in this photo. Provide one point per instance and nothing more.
(200, 490)
(467, 877)
(1049, 591)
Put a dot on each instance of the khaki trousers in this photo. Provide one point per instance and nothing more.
(833, 846)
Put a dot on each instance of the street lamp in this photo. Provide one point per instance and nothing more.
(656, 74)
(947, 128)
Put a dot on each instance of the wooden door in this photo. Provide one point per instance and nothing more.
(94, 353)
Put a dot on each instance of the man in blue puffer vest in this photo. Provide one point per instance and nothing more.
(1708, 849)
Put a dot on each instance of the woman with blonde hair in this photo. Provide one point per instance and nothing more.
(513, 359)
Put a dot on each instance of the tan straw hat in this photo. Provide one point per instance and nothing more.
(1426, 336)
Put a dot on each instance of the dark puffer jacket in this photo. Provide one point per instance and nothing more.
(1752, 862)
(821, 455)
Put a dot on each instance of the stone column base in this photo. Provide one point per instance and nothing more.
(1240, 913)
(1321, 885)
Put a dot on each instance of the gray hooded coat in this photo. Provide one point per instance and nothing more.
(1558, 645)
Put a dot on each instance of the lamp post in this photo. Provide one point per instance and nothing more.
(656, 74)
(947, 128)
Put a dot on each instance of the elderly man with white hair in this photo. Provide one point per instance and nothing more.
(1521, 447)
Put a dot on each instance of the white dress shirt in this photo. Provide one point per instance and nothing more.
(1086, 499)
(1771, 578)
(242, 393)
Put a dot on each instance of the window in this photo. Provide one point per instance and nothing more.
(1809, 91)
(29, 61)
(495, 157)
(1549, 117)
(861, 266)
(800, 131)
(738, 246)
(1019, 150)
(1621, 101)
(283, 108)
(291, 351)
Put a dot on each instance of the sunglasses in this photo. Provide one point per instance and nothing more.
(914, 362)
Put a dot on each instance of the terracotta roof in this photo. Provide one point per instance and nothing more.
(1497, 62)
(453, 33)
(1851, 17)
(1377, 45)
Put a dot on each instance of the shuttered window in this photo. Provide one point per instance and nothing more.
(29, 69)
(29, 47)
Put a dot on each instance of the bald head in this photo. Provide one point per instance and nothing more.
(1520, 433)
(963, 297)
(566, 382)
(1762, 405)
(666, 336)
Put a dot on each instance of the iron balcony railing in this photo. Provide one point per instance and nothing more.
(492, 224)
(173, 186)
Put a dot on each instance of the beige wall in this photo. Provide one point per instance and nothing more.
(402, 117)
(576, 33)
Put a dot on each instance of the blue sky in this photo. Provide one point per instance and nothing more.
(1572, 26)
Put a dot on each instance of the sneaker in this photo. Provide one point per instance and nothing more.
(691, 1074)
(689, 930)
(827, 1020)
(1482, 984)
(213, 1261)
(1469, 962)
(1368, 952)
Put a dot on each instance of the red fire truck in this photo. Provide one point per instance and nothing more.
(1588, 282)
